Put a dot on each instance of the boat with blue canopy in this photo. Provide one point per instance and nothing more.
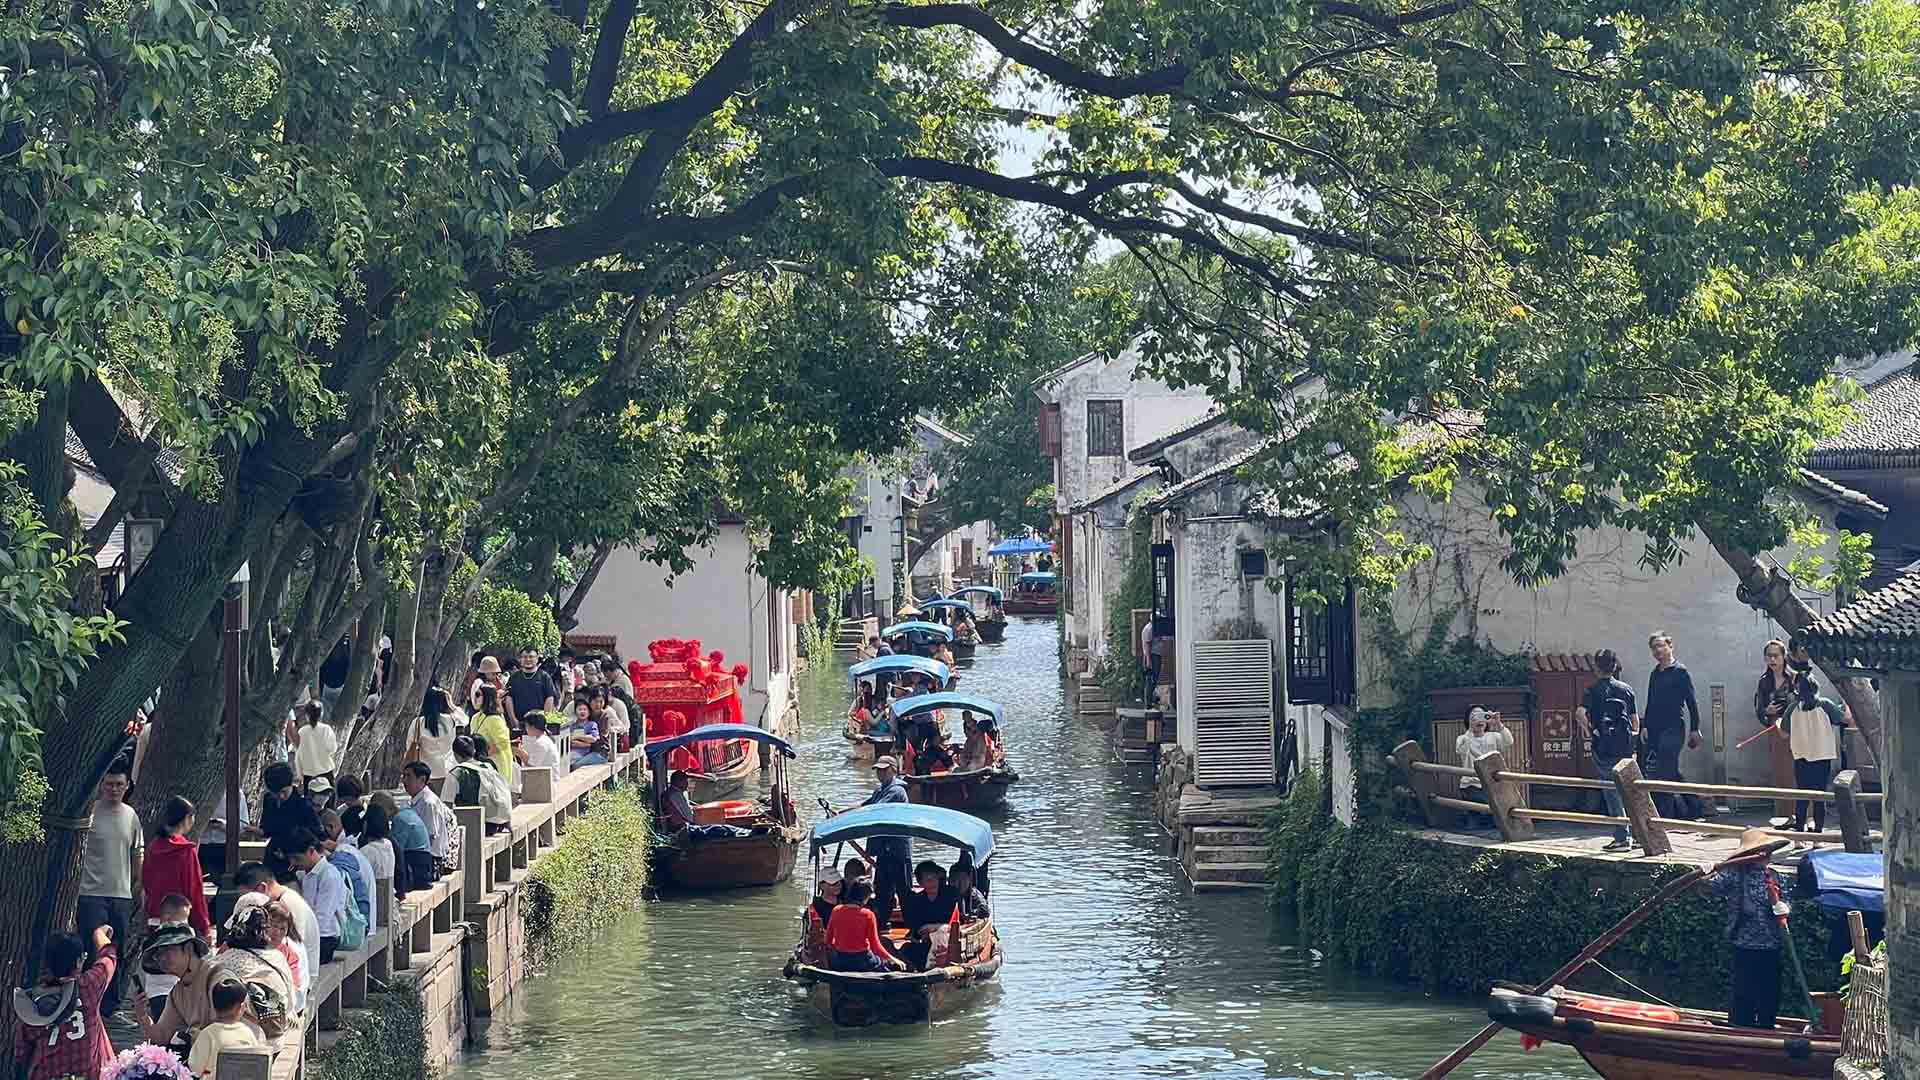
(725, 844)
(963, 954)
(972, 775)
(896, 674)
(901, 669)
(1034, 593)
(958, 616)
(918, 629)
(988, 620)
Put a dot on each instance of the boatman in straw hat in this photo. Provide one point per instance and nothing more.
(1756, 928)
(891, 854)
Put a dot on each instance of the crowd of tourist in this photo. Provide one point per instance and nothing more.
(146, 890)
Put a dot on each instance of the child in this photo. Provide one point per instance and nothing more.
(227, 1032)
(59, 1033)
(174, 908)
(1756, 925)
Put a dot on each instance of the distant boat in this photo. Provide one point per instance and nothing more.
(973, 789)
(991, 627)
(733, 843)
(1034, 594)
(960, 964)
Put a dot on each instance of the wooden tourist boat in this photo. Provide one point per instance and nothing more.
(1634, 1040)
(973, 789)
(992, 628)
(735, 843)
(959, 968)
(902, 671)
(917, 637)
(1631, 1040)
(947, 613)
(1034, 594)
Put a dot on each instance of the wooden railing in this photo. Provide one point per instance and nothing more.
(428, 922)
(1507, 801)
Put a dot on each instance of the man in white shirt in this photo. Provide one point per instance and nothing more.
(432, 812)
(541, 750)
(325, 889)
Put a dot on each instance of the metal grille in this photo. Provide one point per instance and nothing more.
(1233, 713)
(1106, 428)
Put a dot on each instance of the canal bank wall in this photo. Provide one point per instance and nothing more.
(1453, 919)
(405, 1006)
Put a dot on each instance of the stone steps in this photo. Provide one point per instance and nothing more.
(1228, 855)
(1229, 836)
(1251, 875)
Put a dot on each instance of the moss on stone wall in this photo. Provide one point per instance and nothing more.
(1377, 899)
(598, 870)
(386, 1041)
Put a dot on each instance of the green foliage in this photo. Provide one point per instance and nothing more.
(1119, 670)
(598, 871)
(505, 617)
(1454, 919)
(44, 648)
(385, 1041)
(1810, 567)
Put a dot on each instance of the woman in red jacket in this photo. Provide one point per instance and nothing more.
(172, 866)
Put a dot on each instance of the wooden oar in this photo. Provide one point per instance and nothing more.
(1599, 945)
(854, 844)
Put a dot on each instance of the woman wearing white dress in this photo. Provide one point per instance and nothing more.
(433, 732)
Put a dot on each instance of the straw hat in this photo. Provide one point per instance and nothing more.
(1752, 840)
(489, 665)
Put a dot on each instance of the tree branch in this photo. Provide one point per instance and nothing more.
(608, 47)
(568, 615)
(128, 488)
(984, 26)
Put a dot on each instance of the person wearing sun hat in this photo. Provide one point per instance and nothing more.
(826, 894)
(1756, 930)
(174, 949)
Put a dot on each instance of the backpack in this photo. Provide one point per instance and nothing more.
(496, 802)
(353, 924)
(1612, 733)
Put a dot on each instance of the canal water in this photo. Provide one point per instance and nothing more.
(1114, 969)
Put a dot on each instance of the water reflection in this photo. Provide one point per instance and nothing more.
(1113, 970)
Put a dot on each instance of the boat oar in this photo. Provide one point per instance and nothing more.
(854, 844)
(1596, 947)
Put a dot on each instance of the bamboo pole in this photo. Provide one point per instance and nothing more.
(1575, 816)
(1688, 787)
(1556, 781)
(1596, 947)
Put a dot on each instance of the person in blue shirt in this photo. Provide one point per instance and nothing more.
(892, 855)
(1756, 926)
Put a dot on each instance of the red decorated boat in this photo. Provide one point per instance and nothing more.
(682, 690)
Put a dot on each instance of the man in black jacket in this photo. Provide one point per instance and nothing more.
(1669, 691)
(1610, 720)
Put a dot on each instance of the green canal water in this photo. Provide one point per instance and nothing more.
(1114, 969)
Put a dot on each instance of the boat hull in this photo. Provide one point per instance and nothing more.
(964, 648)
(991, 631)
(980, 789)
(703, 864)
(851, 999)
(724, 783)
(1685, 1046)
(1031, 605)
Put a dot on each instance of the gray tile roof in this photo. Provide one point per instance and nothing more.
(170, 461)
(1148, 451)
(1120, 487)
(1828, 488)
(1878, 630)
(1885, 430)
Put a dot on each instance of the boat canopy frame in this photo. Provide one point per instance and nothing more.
(916, 626)
(898, 664)
(991, 590)
(919, 821)
(719, 732)
(948, 699)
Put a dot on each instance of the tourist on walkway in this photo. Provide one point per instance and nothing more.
(1812, 729)
(1609, 720)
(433, 732)
(1773, 698)
(1669, 692)
(283, 936)
(477, 785)
(324, 888)
(174, 949)
(432, 813)
(412, 844)
(110, 857)
(316, 746)
(171, 867)
(1756, 926)
(286, 811)
(248, 952)
(487, 674)
(257, 878)
(892, 855)
(333, 675)
(853, 935)
(1149, 662)
(156, 986)
(228, 1031)
(213, 838)
(540, 749)
(585, 742)
(352, 865)
(490, 723)
(58, 1031)
(1486, 734)
(530, 689)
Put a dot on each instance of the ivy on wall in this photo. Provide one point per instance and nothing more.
(386, 1041)
(1455, 920)
(598, 870)
(1118, 671)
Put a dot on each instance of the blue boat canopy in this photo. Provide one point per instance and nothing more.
(990, 590)
(942, 605)
(915, 626)
(1848, 881)
(710, 732)
(1020, 545)
(945, 699)
(935, 823)
(898, 664)
(1038, 577)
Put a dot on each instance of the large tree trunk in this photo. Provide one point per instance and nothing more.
(1901, 819)
(186, 754)
(1765, 587)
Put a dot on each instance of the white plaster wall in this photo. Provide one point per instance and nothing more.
(1209, 591)
(719, 601)
(1605, 600)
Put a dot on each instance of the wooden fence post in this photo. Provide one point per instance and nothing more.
(1406, 755)
(1650, 834)
(1502, 797)
(1853, 818)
